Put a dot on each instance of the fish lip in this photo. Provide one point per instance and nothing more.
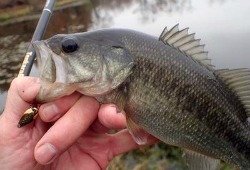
(38, 47)
(42, 54)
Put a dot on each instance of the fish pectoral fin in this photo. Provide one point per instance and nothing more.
(196, 161)
(139, 135)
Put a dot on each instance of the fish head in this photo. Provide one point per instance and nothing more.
(83, 62)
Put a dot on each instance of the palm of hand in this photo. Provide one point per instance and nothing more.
(91, 151)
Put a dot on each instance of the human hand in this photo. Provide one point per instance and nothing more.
(70, 133)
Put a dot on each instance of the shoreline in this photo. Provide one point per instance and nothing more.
(24, 13)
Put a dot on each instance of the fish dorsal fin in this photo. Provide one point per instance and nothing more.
(238, 80)
(139, 135)
(186, 43)
(196, 161)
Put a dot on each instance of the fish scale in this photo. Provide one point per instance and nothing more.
(201, 82)
(167, 87)
(141, 120)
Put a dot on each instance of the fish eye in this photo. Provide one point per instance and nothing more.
(69, 45)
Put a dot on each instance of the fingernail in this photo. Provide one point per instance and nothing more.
(51, 111)
(46, 153)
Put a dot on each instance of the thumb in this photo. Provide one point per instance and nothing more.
(21, 94)
(16, 141)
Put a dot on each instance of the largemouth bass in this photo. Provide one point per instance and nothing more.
(166, 86)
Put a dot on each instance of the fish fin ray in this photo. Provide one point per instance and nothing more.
(165, 30)
(177, 35)
(186, 43)
(166, 34)
(184, 40)
(139, 135)
(202, 55)
(238, 80)
(189, 45)
(195, 50)
(196, 161)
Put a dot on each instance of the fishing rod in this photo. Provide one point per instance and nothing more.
(38, 34)
(30, 114)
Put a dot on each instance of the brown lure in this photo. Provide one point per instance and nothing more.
(28, 116)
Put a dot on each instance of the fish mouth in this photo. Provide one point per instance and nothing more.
(46, 65)
(52, 71)
(51, 66)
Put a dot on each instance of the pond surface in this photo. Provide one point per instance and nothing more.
(223, 25)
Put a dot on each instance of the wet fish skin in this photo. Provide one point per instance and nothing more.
(84, 70)
(165, 92)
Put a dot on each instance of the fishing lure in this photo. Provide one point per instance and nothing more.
(28, 116)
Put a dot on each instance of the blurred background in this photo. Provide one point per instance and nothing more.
(223, 25)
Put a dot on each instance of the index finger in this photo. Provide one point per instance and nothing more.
(66, 130)
(21, 94)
